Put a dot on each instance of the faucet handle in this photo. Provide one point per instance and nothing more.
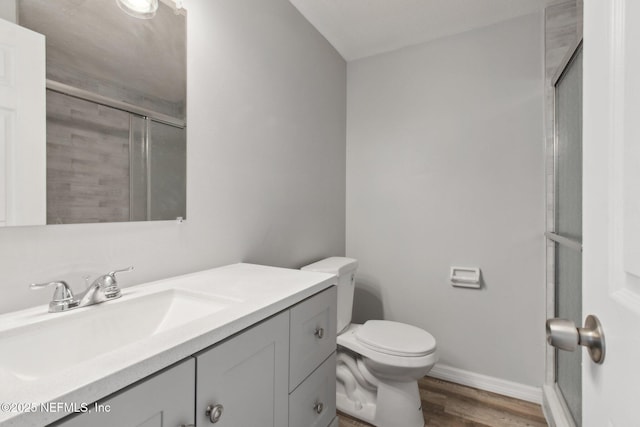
(62, 296)
(111, 288)
(62, 292)
(124, 270)
(110, 278)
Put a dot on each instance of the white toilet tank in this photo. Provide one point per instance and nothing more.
(345, 269)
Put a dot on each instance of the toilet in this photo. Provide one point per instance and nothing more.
(378, 363)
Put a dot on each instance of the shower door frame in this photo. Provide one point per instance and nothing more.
(555, 408)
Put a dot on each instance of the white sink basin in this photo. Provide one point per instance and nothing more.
(64, 340)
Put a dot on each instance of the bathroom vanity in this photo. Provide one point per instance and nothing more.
(241, 345)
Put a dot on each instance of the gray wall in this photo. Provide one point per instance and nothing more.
(266, 162)
(445, 167)
(8, 10)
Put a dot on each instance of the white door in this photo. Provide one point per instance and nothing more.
(611, 209)
(22, 126)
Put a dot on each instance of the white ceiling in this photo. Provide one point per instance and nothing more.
(360, 28)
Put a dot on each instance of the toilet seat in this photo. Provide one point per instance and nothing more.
(348, 340)
(395, 339)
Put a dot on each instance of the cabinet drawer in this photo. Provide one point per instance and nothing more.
(164, 400)
(318, 389)
(313, 334)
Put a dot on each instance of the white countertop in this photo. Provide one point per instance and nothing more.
(260, 292)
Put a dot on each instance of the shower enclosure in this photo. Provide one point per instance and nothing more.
(565, 235)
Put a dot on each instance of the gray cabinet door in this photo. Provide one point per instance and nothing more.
(164, 400)
(248, 375)
(309, 347)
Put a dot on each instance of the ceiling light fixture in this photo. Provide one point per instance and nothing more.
(142, 9)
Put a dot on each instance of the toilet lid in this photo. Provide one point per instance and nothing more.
(394, 338)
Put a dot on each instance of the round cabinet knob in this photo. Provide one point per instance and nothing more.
(319, 333)
(214, 412)
(318, 407)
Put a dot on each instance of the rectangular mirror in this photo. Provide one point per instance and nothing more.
(116, 110)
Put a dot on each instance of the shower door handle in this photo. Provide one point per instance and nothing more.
(564, 335)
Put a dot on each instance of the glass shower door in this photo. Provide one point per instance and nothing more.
(568, 226)
(158, 170)
(167, 164)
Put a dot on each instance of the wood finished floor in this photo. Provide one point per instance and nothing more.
(446, 404)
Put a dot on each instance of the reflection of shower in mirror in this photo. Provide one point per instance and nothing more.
(116, 109)
(109, 165)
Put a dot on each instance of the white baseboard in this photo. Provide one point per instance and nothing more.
(485, 382)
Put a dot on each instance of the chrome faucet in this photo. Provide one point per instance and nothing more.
(104, 288)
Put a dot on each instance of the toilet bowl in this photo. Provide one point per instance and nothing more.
(379, 362)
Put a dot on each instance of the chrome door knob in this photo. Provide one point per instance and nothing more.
(318, 407)
(214, 412)
(563, 334)
(319, 332)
